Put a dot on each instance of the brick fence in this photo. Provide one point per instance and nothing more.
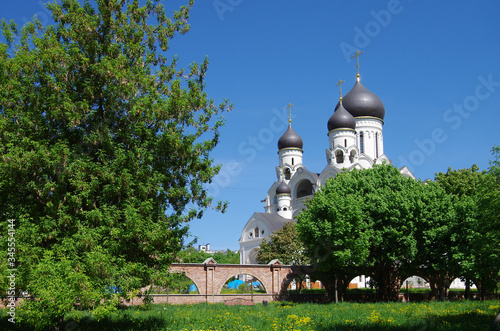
(210, 277)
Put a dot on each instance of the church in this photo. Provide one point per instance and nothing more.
(355, 141)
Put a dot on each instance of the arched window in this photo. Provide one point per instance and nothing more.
(361, 143)
(287, 174)
(345, 142)
(304, 189)
(352, 156)
(292, 161)
(339, 156)
(257, 232)
(376, 145)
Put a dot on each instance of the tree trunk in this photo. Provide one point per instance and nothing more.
(335, 288)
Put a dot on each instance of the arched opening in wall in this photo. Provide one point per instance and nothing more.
(461, 283)
(180, 284)
(304, 188)
(243, 284)
(252, 256)
(256, 232)
(461, 288)
(295, 283)
(362, 282)
(352, 156)
(415, 282)
(415, 288)
(339, 155)
(287, 173)
(376, 145)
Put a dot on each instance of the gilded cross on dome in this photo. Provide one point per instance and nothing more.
(289, 107)
(339, 84)
(356, 55)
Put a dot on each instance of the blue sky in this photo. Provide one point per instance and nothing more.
(435, 66)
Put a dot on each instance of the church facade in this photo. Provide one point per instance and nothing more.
(355, 141)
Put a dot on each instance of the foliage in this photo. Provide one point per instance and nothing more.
(476, 226)
(458, 315)
(191, 255)
(227, 257)
(366, 221)
(284, 245)
(105, 148)
(495, 164)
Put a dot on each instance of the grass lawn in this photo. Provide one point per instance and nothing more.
(458, 315)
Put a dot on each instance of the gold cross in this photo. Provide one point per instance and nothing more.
(356, 55)
(340, 87)
(289, 107)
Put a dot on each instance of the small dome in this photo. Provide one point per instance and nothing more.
(283, 188)
(341, 119)
(360, 101)
(290, 139)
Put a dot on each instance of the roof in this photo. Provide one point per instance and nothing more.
(274, 221)
(341, 119)
(290, 139)
(361, 102)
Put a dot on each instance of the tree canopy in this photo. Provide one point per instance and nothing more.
(378, 223)
(475, 234)
(365, 222)
(284, 245)
(105, 147)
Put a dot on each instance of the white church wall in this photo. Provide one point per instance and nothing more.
(328, 172)
(370, 131)
(290, 158)
(342, 138)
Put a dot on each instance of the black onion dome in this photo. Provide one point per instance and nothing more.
(290, 139)
(341, 119)
(360, 101)
(283, 188)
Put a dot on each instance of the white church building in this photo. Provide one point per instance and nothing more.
(355, 141)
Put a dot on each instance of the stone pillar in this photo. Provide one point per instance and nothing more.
(275, 266)
(210, 265)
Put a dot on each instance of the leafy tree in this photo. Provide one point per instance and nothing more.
(105, 147)
(334, 232)
(495, 164)
(365, 222)
(477, 199)
(436, 220)
(192, 255)
(284, 245)
(227, 257)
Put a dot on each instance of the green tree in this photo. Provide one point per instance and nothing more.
(105, 147)
(227, 257)
(192, 255)
(284, 245)
(475, 227)
(365, 222)
(436, 219)
(495, 164)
